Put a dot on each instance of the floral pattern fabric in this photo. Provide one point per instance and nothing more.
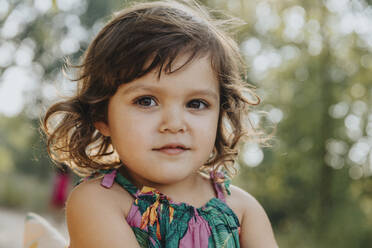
(157, 221)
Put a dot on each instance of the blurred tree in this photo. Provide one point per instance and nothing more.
(311, 62)
(35, 36)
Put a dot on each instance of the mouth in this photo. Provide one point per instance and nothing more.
(172, 149)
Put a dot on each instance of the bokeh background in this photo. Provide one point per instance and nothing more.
(311, 62)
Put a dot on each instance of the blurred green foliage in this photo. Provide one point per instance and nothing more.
(311, 62)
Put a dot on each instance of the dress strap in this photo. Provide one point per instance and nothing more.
(112, 176)
(220, 194)
(220, 180)
(127, 185)
(221, 184)
(108, 179)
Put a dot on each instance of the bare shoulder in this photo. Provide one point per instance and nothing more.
(96, 216)
(93, 191)
(256, 230)
(240, 201)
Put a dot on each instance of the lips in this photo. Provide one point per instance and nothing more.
(172, 149)
(173, 146)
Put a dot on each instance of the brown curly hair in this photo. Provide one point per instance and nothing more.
(138, 40)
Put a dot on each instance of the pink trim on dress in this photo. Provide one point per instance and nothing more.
(134, 217)
(198, 233)
(108, 179)
(217, 186)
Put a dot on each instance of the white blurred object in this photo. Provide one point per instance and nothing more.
(39, 233)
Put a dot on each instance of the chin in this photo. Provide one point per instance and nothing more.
(170, 178)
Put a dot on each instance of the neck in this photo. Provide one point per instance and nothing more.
(177, 191)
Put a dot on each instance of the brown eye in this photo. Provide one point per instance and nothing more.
(197, 104)
(145, 101)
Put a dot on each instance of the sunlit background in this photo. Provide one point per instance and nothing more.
(311, 62)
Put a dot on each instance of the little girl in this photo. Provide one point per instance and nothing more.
(158, 115)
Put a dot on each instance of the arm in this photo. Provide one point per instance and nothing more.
(95, 220)
(256, 231)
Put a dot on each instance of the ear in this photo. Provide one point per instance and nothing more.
(103, 128)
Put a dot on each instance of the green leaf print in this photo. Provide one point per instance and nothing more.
(141, 236)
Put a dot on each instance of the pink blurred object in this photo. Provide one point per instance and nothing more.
(60, 189)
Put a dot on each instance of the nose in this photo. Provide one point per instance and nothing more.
(173, 120)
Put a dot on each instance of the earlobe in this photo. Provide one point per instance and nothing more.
(103, 128)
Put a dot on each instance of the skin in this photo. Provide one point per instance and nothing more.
(149, 113)
(143, 116)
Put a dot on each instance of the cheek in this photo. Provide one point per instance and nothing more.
(206, 129)
(130, 131)
(135, 134)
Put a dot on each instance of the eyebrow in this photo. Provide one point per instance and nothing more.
(135, 87)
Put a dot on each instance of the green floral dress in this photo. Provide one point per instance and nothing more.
(157, 221)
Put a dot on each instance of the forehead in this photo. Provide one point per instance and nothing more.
(196, 75)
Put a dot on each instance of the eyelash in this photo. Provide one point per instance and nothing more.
(137, 102)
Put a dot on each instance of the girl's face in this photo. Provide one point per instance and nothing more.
(165, 129)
